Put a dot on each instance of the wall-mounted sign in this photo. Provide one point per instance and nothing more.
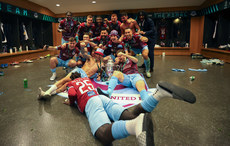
(7, 8)
(27, 13)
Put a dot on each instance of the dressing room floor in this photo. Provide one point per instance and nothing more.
(26, 121)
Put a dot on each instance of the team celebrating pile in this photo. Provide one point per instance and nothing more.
(95, 45)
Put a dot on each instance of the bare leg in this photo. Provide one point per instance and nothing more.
(55, 88)
(104, 134)
(140, 86)
(62, 88)
(72, 63)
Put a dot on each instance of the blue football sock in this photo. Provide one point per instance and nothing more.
(149, 104)
(144, 94)
(53, 70)
(112, 84)
(119, 130)
(147, 64)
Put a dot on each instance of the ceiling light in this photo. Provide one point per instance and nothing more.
(94, 2)
(58, 5)
(176, 21)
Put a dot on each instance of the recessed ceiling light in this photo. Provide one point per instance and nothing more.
(176, 21)
(94, 2)
(58, 5)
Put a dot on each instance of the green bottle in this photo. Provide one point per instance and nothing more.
(25, 83)
(192, 78)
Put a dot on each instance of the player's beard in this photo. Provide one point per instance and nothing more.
(103, 37)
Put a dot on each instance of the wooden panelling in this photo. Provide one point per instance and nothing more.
(21, 56)
(196, 34)
(56, 35)
(216, 53)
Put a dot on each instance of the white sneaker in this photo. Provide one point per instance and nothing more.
(53, 77)
(223, 46)
(148, 74)
(29, 61)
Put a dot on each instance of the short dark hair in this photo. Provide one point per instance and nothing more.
(113, 14)
(98, 17)
(103, 28)
(124, 14)
(72, 39)
(75, 75)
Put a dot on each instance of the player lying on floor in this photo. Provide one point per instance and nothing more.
(89, 69)
(100, 110)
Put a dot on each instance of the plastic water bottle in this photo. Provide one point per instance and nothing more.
(15, 49)
(109, 68)
(11, 50)
(25, 83)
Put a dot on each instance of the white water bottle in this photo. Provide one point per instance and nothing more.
(15, 49)
(20, 49)
(109, 68)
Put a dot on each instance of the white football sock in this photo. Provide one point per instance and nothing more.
(134, 127)
(51, 89)
(161, 93)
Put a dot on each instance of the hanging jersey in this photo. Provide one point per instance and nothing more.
(80, 90)
(25, 32)
(66, 53)
(70, 28)
(4, 40)
(135, 42)
(162, 33)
